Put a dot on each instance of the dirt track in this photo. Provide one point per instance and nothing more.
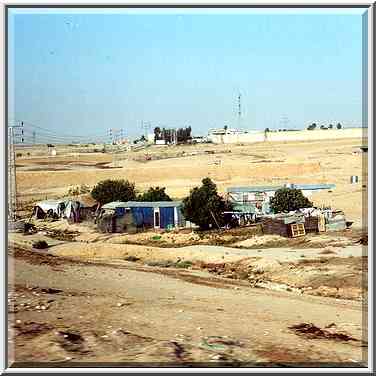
(121, 314)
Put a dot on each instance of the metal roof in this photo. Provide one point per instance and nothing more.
(274, 188)
(142, 204)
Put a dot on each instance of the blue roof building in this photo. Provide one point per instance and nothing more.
(157, 214)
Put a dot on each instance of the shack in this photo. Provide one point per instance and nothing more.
(307, 220)
(287, 225)
(256, 199)
(140, 215)
(72, 210)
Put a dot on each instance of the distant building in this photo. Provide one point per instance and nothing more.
(198, 140)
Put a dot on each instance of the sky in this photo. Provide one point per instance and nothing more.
(82, 73)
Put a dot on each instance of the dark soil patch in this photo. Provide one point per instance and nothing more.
(32, 329)
(71, 341)
(313, 332)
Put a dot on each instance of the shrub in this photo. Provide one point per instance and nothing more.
(312, 126)
(40, 244)
(154, 194)
(288, 199)
(183, 264)
(113, 190)
(132, 258)
(18, 155)
(204, 206)
(78, 190)
(84, 189)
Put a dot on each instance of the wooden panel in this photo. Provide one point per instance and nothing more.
(297, 230)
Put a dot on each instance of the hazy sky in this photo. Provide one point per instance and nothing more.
(82, 73)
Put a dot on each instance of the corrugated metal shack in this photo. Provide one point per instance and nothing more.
(141, 215)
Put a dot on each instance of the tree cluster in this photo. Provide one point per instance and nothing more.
(182, 135)
(204, 206)
(154, 194)
(289, 199)
(113, 190)
(123, 190)
(313, 126)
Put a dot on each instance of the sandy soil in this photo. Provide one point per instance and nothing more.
(79, 314)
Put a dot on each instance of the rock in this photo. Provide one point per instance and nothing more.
(264, 265)
(326, 291)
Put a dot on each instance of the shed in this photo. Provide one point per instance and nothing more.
(158, 214)
(281, 224)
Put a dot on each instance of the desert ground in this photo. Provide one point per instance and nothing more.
(185, 297)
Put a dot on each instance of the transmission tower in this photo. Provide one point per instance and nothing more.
(285, 122)
(239, 110)
(15, 135)
(145, 126)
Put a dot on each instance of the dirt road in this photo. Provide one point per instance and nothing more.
(90, 314)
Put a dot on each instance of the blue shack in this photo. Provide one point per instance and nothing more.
(158, 214)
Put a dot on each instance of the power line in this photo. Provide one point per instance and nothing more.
(48, 131)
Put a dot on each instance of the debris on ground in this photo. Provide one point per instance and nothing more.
(40, 244)
(31, 328)
(218, 343)
(70, 341)
(313, 332)
(363, 240)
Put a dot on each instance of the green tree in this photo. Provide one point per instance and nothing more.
(339, 126)
(113, 190)
(288, 199)
(312, 127)
(204, 206)
(154, 194)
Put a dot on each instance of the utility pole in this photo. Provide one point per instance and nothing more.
(12, 181)
(34, 137)
(112, 137)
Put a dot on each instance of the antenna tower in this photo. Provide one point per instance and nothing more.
(239, 110)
